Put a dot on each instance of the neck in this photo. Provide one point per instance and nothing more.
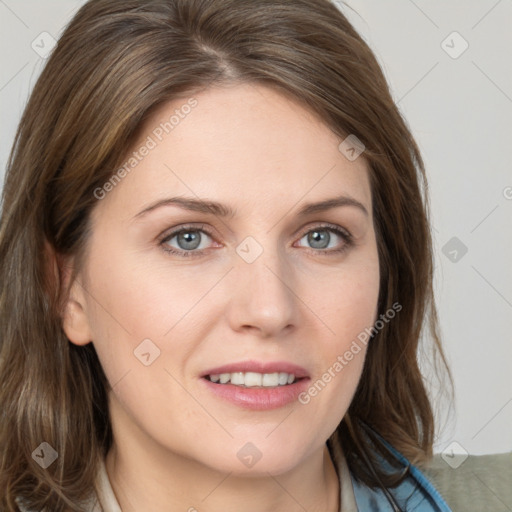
(147, 480)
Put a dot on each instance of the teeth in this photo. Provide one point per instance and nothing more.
(251, 379)
(254, 379)
(237, 378)
(270, 379)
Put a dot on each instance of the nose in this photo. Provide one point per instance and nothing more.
(263, 302)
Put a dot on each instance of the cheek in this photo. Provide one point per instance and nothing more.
(149, 297)
(131, 301)
(348, 308)
(347, 299)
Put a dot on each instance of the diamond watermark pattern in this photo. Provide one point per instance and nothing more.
(454, 45)
(454, 249)
(454, 454)
(351, 147)
(249, 250)
(249, 455)
(147, 352)
(44, 455)
(43, 44)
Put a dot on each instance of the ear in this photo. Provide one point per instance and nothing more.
(75, 320)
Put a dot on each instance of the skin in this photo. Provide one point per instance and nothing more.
(175, 443)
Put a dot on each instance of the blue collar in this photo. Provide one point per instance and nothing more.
(415, 493)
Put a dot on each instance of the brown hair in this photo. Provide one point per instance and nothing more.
(114, 64)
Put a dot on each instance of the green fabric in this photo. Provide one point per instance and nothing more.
(480, 484)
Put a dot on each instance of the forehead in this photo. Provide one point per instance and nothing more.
(246, 145)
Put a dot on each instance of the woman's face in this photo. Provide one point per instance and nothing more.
(240, 245)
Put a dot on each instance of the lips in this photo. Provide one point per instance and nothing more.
(248, 394)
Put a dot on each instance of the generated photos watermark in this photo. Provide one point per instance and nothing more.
(344, 360)
(151, 142)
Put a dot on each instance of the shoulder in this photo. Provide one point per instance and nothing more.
(415, 493)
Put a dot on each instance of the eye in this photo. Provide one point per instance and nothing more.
(186, 240)
(332, 238)
(192, 241)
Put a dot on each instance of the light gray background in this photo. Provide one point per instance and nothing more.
(460, 111)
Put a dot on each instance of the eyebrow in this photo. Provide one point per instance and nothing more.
(195, 205)
(221, 210)
(328, 204)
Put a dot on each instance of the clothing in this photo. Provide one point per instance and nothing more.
(414, 494)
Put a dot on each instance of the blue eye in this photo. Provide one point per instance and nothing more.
(186, 240)
(193, 241)
(326, 237)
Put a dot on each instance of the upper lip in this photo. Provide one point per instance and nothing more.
(259, 367)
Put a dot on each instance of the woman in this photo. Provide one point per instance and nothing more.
(216, 268)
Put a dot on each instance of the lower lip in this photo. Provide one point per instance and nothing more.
(258, 399)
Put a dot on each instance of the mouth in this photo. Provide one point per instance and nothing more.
(256, 374)
(255, 385)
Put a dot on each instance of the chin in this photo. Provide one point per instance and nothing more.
(250, 459)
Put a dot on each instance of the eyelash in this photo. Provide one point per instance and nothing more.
(344, 235)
